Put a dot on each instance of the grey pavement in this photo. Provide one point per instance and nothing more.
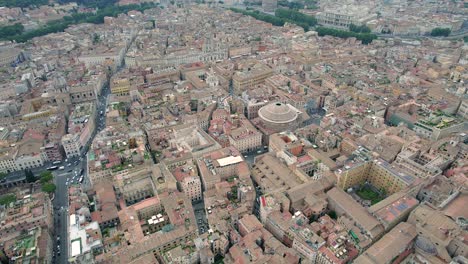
(71, 174)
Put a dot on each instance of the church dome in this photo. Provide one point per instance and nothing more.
(278, 113)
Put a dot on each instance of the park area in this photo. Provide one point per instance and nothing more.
(367, 193)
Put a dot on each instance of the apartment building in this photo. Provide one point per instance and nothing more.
(7, 159)
(394, 246)
(71, 144)
(439, 125)
(250, 76)
(344, 204)
(34, 210)
(220, 165)
(246, 137)
(378, 173)
(120, 86)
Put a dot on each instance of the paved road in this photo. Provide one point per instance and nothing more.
(71, 174)
(200, 215)
(60, 202)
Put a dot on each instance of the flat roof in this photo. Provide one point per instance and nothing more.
(76, 248)
(229, 160)
(72, 219)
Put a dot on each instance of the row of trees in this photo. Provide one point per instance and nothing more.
(276, 21)
(61, 24)
(441, 32)
(305, 21)
(296, 17)
(291, 5)
(23, 3)
(91, 3)
(11, 30)
(366, 38)
(281, 17)
(359, 29)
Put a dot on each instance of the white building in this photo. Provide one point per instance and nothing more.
(81, 244)
(7, 163)
(30, 161)
(71, 145)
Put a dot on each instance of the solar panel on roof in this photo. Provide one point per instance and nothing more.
(402, 206)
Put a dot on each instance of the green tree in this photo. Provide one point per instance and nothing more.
(365, 38)
(7, 199)
(332, 214)
(29, 175)
(46, 176)
(296, 17)
(440, 32)
(290, 5)
(96, 38)
(106, 8)
(11, 30)
(359, 29)
(23, 3)
(49, 188)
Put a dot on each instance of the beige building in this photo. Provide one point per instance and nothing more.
(397, 244)
(378, 173)
(438, 235)
(134, 185)
(393, 209)
(246, 137)
(271, 175)
(71, 145)
(9, 55)
(29, 212)
(344, 204)
(250, 76)
(120, 86)
(182, 230)
(192, 188)
(7, 160)
(221, 165)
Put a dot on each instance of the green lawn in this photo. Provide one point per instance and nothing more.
(367, 193)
